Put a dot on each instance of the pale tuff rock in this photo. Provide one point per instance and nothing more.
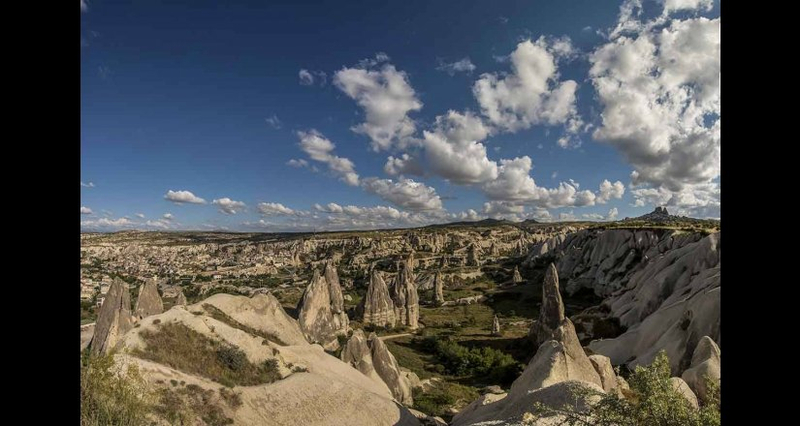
(705, 362)
(438, 287)
(683, 389)
(378, 306)
(149, 302)
(551, 314)
(181, 299)
(516, 278)
(332, 391)
(262, 312)
(371, 357)
(318, 308)
(358, 354)
(495, 326)
(602, 364)
(405, 297)
(114, 318)
(493, 250)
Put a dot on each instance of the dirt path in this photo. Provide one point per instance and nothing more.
(395, 336)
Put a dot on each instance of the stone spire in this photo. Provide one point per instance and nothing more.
(438, 287)
(322, 315)
(551, 314)
(181, 299)
(473, 255)
(495, 326)
(149, 302)
(378, 306)
(404, 295)
(517, 278)
(114, 318)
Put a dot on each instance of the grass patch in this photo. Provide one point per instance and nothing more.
(184, 349)
(221, 316)
(110, 396)
(442, 395)
(186, 404)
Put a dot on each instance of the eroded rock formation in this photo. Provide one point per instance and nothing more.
(114, 318)
(378, 306)
(149, 301)
(405, 297)
(551, 314)
(372, 358)
(322, 317)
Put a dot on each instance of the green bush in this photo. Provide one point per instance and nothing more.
(495, 365)
(650, 401)
(442, 395)
(110, 396)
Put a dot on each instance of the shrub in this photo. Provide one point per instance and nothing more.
(651, 401)
(442, 395)
(459, 360)
(110, 396)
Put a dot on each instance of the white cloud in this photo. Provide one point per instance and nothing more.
(228, 206)
(307, 78)
(86, 210)
(180, 197)
(464, 65)
(106, 224)
(403, 165)
(453, 149)
(168, 216)
(610, 190)
(140, 215)
(319, 148)
(612, 214)
(503, 210)
(87, 185)
(159, 224)
(273, 121)
(297, 163)
(659, 86)
(700, 200)
(274, 209)
(567, 216)
(386, 97)
(468, 215)
(405, 193)
(675, 5)
(532, 93)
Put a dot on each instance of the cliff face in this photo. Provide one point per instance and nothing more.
(663, 286)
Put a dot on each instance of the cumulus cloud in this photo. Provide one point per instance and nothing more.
(610, 190)
(612, 214)
(320, 149)
(532, 93)
(274, 209)
(659, 85)
(700, 200)
(139, 215)
(676, 5)
(404, 193)
(274, 121)
(454, 151)
(159, 224)
(86, 210)
(503, 210)
(403, 165)
(87, 185)
(387, 97)
(228, 206)
(168, 216)
(107, 224)
(182, 197)
(464, 65)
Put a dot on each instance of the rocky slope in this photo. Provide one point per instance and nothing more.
(313, 387)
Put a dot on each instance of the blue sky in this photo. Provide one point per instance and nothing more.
(273, 116)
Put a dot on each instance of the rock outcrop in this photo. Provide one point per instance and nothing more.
(516, 277)
(405, 297)
(149, 301)
(438, 288)
(180, 299)
(705, 363)
(683, 389)
(495, 326)
(473, 255)
(372, 358)
(114, 318)
(322, 317)
(551, 314)
(378, 306)
(559, 366)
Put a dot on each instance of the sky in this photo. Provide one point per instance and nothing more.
(309, 116)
